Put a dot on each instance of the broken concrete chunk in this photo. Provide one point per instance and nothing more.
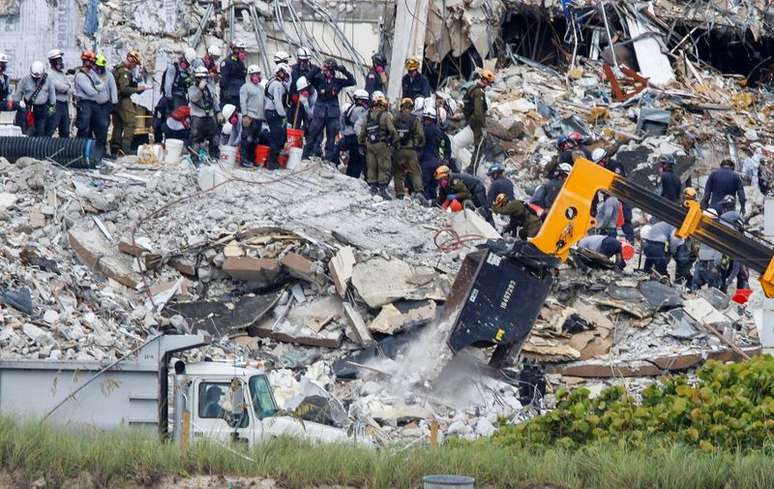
(262, 270)
(318, 313)
(341, 267)
(660, 296)
(703, 312)
(470, 223)
(380, 282)
(96, 252)
(362, 335)
(184, 266)
(284, 330)
(302, 268)
(401, 315)
(7, 200)
(133, 249)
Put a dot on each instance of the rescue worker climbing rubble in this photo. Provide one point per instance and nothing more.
(204, 106)
(326, 114)
(59, 120)
(523, 222)
(430, 157)
(475, 109)
(500, 184)
(125, 115)
(233, 73)
(378, 135)
(721, 182)
(411, 138)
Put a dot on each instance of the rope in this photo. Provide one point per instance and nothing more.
(455, 241)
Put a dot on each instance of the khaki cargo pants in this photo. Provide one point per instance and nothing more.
(406, 162)
(124, 125)
(378, 163)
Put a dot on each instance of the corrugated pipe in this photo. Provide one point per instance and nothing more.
(72, 153)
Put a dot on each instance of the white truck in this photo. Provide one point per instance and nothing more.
(221, 401)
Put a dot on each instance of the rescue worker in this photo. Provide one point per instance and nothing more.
(209, 61)
(602, 157)
(59, 121)
(178, 125)
(376, 78)
(125, 115)
(105, 100)
(306, 99)
(411, 138)
(721, 182)
(87, 87)
(607, 216)
(281, 58)
(275, 111)
(523, 222)
(35, 98)
(352, 122)
(251, 104)
(686, 253)
(500, 184)
(177, 80)
(707, 270)
(326, 112)
(303, 67)
(466, 189)
(5, 87)
(658, 243)
(607, 246)
(233, 73)
(569, 147)
(546, 193)
(231, 132)
(731, 269)
(204, 105)
(671, 186)
(378, 135)
(430, 157)
(414, 84)
(475, 108)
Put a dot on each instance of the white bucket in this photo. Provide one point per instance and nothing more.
(174, 149)
(463, 138)
(228, 155)
(10, 130)
(294, 158)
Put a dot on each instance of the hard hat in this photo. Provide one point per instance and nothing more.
(667, 160)
(135, 55)
(101, 61)
(501, 200)
(379, 59)
(228, 111)
(565, 167)
(711, 213)
(282, 67)
(430, 113)
(575, 136)
(3, 58)
(329, 64)
(627, 250)
(303, 54)
(238, 44)
(495, 168)
(360, 94)
(214, 51)
(455, 206)
(189, 54)
(378, 98)
(376, 94)
(37, 69)
(562, 140)
(301, 83)
(201, 72)
(689, 193)
(227, 129)
(598, 155)
(88, 56)
(406, 102)
(728, 200)
(441, 172)
(281, 57)
(252, 69)
(55, 54)
(412, 64)
(488, 76)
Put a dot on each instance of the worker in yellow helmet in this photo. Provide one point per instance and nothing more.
(414, 83)
(475, 109)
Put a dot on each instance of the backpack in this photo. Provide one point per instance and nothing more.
(374, 131)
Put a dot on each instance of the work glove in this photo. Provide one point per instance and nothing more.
(22, 105)
(451, 197)
(51, 110)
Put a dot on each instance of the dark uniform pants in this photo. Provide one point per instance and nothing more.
(331, 127)
(87, 110)
(479, 200)
(428, 179)
(251, 136)
(705, 273)
(356, 163)
(378, 162)
(205, 129)
(406, 163)
(100, 123)
(655, 256)
(277, 137)
(478, 136)
(683, 262)
(60, 121)
(40, 116)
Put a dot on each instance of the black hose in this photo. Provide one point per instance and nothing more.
(73, 153)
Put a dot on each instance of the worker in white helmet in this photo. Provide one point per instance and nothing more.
(276, 112)
(60, 119)
(352, 121)
(211, 61)
(5, 88)
(205, 108)
(35, 96)
(251, 103)
(233, 73)
(231, 131)
(281, 57)
(303, 67)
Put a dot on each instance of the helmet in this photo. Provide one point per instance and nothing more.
(37, 69)
(301, 83)
(303, 54)
(598, 155)
(562, 140)
(3, 58)
(689, 193)
(377, 94)
(501, 200)
(281, 57)
(228, 111)
(667, 160)
(253, 69)
(55, 54)
(101, 61)
(495, 168)
(135, 55)
(728, 201)
(88, 56)
(379, 59)
(238, 44)
(227, 129)
(406, 102)
(487, 75)
(283, 68)
(359, 94)
(711, 213)
(378, 98)
(627, 250)
(430, 113)
(576, 136)
(189, 54)
(214, 51)
(565, 168)
(201, 72)
(329, 64)
(412, 64)
(441, 172)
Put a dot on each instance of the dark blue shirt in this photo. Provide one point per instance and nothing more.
(502, 185)
(722, 182)
(415, 86)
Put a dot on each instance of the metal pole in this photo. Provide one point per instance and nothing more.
(609, 36)
(177, 427)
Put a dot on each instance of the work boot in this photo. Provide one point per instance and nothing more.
(421, 199)
(384, 192)
(373, 188)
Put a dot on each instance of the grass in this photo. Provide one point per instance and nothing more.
(32, 450)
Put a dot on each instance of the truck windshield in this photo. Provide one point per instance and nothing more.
(263, 401)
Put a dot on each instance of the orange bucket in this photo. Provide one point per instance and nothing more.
(261, 155)
(295, 138)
